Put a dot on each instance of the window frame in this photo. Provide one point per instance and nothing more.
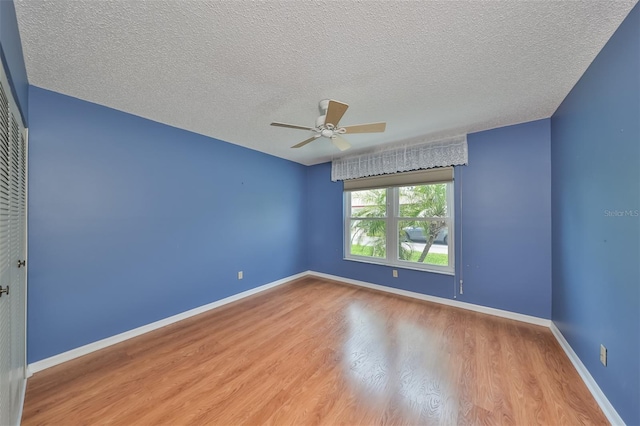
(392, 220)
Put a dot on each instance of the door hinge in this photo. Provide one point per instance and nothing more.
(4, 290)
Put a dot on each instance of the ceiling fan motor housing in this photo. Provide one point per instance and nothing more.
(327, 133)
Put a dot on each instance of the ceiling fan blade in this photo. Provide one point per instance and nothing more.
(366, 128)
(292, 126)
(340, 142)
(335, 111)
(306, 141)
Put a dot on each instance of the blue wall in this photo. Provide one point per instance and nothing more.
(11, 51)
(506, 219)
(506, 225)
(595, 156)
(132, 221)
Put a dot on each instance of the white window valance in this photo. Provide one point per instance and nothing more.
(407, 156)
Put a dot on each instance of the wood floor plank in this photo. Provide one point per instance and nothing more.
(315, 351)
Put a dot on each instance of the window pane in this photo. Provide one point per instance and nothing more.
(423, 200)
(417, 218)
(369, 203)
(368, 238)
(424, 242)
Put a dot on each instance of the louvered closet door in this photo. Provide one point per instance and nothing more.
(13, 188)
(19, 305)
(18, 291)
(5, 259)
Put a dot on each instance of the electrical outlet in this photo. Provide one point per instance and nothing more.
(395, 273)
(603, 355)
(240, 275)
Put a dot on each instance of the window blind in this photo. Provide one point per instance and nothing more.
(439, 175)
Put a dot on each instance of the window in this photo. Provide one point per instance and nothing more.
(410, 225)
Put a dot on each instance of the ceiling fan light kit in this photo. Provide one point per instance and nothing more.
(327, 125)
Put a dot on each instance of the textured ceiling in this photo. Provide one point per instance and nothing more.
(226, 69)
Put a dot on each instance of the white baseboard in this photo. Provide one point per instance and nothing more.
(455, 303)
(100, 344)
(587, 378)
(597, 393)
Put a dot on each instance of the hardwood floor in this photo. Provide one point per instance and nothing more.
(319, 352)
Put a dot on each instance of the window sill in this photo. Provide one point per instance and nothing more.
(399, 265)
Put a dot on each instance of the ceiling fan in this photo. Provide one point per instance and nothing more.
(327, 125)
